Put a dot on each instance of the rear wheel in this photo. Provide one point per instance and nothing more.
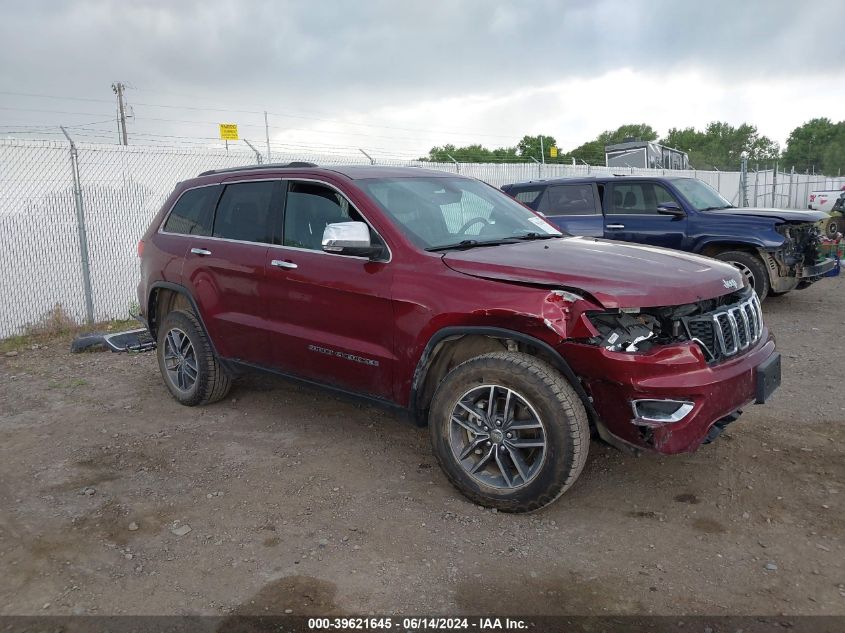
(509, 431)
(752, 268)
(187, 362)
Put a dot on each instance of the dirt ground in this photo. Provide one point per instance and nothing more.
(303, 502)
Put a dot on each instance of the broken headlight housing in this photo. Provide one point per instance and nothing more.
(624, 331)
(631, 330)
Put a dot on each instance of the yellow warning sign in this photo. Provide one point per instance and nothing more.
(229, 131)
(553, 151)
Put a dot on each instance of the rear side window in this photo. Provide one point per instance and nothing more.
(570, 200)
(244, 212)
(628, 199)
(193, 211)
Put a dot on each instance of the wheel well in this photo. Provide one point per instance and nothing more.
(454, 350)
(162, 302)
(711, 250)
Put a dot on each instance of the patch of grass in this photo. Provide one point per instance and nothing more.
(14, 343)
(115, 325)
(56, 324)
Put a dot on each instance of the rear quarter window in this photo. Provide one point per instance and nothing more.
(193, 212)
(529, 197)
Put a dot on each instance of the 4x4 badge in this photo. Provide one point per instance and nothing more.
(730, 283)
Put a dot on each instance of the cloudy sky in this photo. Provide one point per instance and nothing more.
(397, 77)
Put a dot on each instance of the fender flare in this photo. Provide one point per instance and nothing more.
(182, 290)
(423, 364)
(730, 243)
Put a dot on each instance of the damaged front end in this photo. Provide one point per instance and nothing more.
(720, 327)
(799, 262)
(662, 378)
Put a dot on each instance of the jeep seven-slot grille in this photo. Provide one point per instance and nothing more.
(729, 330)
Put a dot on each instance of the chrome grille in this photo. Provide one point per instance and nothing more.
(729, 330)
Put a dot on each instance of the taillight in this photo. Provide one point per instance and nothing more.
(140, 248)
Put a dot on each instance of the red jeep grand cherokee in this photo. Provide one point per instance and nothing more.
(443, 296)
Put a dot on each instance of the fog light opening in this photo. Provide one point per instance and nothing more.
(657, 412)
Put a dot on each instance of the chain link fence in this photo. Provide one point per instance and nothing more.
(60, 233)
(771, 187)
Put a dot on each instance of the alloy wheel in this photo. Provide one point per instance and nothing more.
(497, 437)
(180, 360)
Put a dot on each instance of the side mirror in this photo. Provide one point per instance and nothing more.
(349, 238)
(671, 208)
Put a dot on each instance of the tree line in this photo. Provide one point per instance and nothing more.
(815, 146)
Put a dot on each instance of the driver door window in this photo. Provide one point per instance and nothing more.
(309, 208)
(638, 198)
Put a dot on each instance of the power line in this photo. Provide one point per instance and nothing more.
(466, 133)
(150, 135)
(213, 123)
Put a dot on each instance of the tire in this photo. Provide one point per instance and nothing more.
(201, 379)
(752, 268)
(536, 392)
(833, 225)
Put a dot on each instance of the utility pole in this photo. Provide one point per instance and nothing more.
(267, 136)
(118, 89)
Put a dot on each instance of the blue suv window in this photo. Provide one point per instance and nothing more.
(529, 196)
(638, 198)
(570, 200)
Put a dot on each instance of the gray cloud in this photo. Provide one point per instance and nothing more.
(351, 57)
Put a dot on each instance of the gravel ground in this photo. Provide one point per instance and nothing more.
(115, 499)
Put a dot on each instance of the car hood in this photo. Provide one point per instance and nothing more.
(617, 274)
(787, 215)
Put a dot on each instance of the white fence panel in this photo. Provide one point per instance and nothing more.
(123, 188)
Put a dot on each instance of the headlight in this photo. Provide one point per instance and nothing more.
(623, 332)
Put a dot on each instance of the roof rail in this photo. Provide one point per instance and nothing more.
(294, 164)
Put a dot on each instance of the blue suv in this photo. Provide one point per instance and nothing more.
(775, 249)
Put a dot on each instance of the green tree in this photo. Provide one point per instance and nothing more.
(529, 147)
(833, 158)
(721, 145)
(639, 131)
(469, 154)
(818, 144)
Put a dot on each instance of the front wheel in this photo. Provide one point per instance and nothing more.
(751, 267)
(509, 431)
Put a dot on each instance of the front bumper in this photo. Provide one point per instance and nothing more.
(676, 372)
(817, 270)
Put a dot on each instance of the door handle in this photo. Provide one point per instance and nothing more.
(279, 263)
(615, 227)
(200, 251)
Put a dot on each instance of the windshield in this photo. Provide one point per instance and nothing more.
(438, 213)
(700, 195)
